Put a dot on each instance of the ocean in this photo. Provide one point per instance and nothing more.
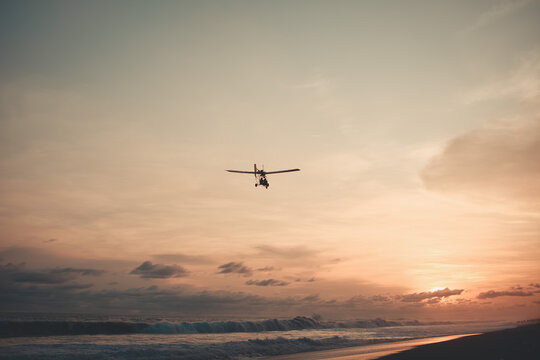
(68, 336)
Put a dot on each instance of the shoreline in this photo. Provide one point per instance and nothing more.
(366, 352)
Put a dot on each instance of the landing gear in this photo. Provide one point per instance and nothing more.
(262, 182)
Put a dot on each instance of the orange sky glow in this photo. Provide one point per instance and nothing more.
(415, 125)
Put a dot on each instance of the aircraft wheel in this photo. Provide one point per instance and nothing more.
(256, 185)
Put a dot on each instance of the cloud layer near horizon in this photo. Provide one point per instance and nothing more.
(61, 288)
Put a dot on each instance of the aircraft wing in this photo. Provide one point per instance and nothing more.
(281, 171)
(241, 172)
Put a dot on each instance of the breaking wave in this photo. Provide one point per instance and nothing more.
(298, 323)
(51, 328)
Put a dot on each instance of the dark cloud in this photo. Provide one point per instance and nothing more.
(91, 272)
(267, 282)
(147, 270)
(358, 300)
(70, 287)
(311, 298)
(39, 257)
(21, 297)
(184, 258)
(534, 285)
(380, 298)
(499, 161)
(19, 274)
(50, 240)
(493, 294)
(267, 269)
(235, 268)
(44, 258)
(427, 295)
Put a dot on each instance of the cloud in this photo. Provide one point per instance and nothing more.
(312, 298)
(92, 272)
(267, 269)
(184, 258)
(429, 295)
(19, 297)
(493, 294)
(147, 270)
(534, 285)
(291, 252)
(496, 12)
(500, 161)
(18, 274)
(380, 298)
(267, 282)
(235, 268)
(522, 83)
(70, 287)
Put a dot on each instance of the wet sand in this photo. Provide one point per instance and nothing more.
(365, 352)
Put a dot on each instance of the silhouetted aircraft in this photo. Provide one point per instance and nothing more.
(260, 175)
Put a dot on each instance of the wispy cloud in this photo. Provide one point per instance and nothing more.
(493, 294)
(522, 84)
(267, 282)
(267, 269)
(497, 12)
(429, 295)
(235, 268)
(19, 274)
(286, 252)
(184, 258)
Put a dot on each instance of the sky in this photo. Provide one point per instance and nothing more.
(415, 125)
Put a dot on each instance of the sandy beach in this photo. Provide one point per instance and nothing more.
(366, 352)
(517, 343)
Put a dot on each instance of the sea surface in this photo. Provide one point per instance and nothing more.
(67, 336)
